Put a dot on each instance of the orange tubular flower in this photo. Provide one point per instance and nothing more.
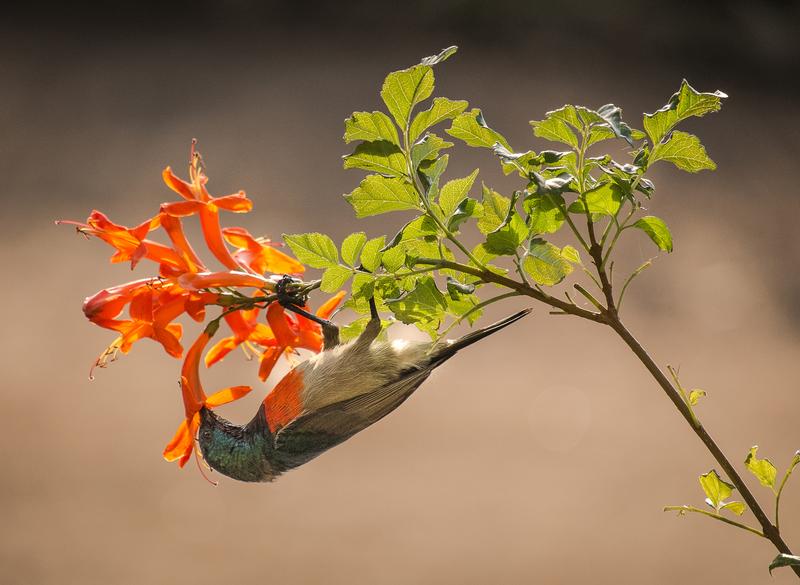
(129, 242)
(181, 446)
(151, 319)
(259, 254)
(199, 201)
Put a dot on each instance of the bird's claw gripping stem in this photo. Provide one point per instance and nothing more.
(295, 300)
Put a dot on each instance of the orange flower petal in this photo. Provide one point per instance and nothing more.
(268, 361)
(239, 237)
(209, 221)
(276, 317)
(200, 280)
(180, 186)
(273, 260)
(227, 395)
(328, 307)
(169, 337)
(237, 203)
(174, 228)
(180, 443)
(220, 349)
(141, 308)
(182, 208)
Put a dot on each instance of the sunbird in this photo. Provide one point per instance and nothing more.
(326, 399)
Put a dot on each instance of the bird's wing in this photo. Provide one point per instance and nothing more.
(314, 432)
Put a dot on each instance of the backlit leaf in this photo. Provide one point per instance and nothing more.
(351, 247)
(334, 278)
(763, 469)
(657, 230)
(381, 157)
(393, 259)
(455, 191)
(716, 489)
(556, 128)
(473, 130)
(495, 210)
(545, 264)
(427, 148)
(602, 199)
(685, 151)
(371, 253)
(315, 250)
(378, 194)
(370, 126)
(686, 102)
(695, 395)
(442, 109)
(424, 304)
(402, 90)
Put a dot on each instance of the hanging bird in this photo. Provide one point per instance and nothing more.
(326, 399)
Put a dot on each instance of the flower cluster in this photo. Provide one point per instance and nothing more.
(184, 284)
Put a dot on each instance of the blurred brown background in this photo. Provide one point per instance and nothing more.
(543, 455)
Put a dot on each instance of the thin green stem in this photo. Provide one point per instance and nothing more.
(478, 307)
(792, 465)
(715, 516)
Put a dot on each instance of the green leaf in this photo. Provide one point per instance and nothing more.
(314, 249)
(432, 170)
(466, 209)
(507, 238)
(613, 117)
(555, 127)
(352, 330)
(370, 126)
(420, 227)
(402, 90)
(716, 489)
(657, 230)
(686, 102)
(784, 560)
(696, 393)
(571, 254)
(381, 157)
(737, 508)
(545, 264)
(472, 129)
(424, 304)
(461, 305)
(371, 254)
(427, 148)
(443, 55)
(454, 192)
(602, 199)
(363, 286)
(685, 151)
(545, 212)
(334, 278)
(351, 247)
(442, 109)
(495, 210)
(393, 259)
(763, 469)
(378, 194)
